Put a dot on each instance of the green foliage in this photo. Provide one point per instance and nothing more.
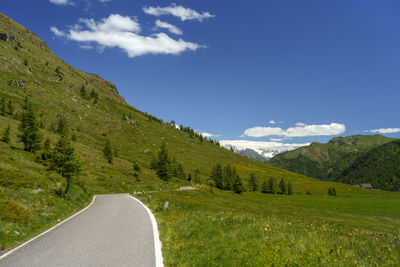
(253, 183)
(332, 191)
(165, 167)
(272, 185)
(63, 161)
(238, 187)
(136, 171)
(196, 178)
(289, 188)
(30, 135)
(6, 136)
(282, 187)
(83, 91)
(25, 62)
(107, 151)
(379, 167)
(10, 108)
(264, 187)
(3, 107)
(62, 125)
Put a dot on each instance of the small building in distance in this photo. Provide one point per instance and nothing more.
(366, 186)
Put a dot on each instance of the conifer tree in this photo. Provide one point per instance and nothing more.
(6, 137)
(107, 151)
(330, 191)
(264, 187)
(3, 107)
(238, 186)
(253, 184)
(63, 161)
(272, 186)
(136, 171)
(10, 108)
(62, 127)
(83, 91)
(282, 187)
(216, 176)
(163, 163)
(30, 135)
(334, 192)
(26, 103)
(289, 188)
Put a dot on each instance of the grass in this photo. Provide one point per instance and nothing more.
(224, 229)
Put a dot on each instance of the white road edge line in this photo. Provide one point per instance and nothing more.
(48, 230)
(157, 243)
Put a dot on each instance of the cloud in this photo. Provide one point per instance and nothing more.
(300, 124)
(276, 139)
(177, 11)
(272, 122)
(123, 32)
(57, 32)
(385, 130)
(300, 130)
(266, 149)
(205, 134)
(171, 28)
(61, 2)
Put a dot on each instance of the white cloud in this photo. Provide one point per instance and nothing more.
(123, 32)
(266, 149)
(385, 130)
(272, 122)
(177, 11)
(171, 28)
(61, 2)
(276, 139)
(300, 124)
(57, 32)
(300, 130)
(205, 134)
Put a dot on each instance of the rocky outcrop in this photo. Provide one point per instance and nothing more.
(6, 37)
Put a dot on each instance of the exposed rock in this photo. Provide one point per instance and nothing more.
(6, 37)
(16, 83)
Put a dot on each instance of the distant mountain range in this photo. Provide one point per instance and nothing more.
(261, 151)
(353, 159)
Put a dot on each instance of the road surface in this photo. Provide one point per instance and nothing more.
(114, 231)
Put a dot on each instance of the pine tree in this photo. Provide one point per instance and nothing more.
(189, 178)
(163, 163)
(3, 107)
(253, 184)
(264, 187)
(30, 135)
(63, 161)
(282, 187)
(10, 108)
(289, 188)
(62, 126)
(238, 186)
(272, 186)
(216, 176)
(6, 137)
(26, 103)
(83, 91)
(136, 171)
(334, 192)
(107, 151)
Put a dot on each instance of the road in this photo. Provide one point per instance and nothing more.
(114, 231)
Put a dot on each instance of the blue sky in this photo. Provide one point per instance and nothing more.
(318, 69)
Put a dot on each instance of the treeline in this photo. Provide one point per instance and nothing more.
(227, 178)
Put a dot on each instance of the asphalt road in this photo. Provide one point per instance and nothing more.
(114, 231)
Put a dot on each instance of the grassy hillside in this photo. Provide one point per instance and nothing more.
(328, 161)
(29, 69)
(379, 166)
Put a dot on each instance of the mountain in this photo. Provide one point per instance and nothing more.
(264, 149)
(328, 161)
(93, 111)
(251, 154)
(379, 166)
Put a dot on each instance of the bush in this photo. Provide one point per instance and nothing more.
(13, 212)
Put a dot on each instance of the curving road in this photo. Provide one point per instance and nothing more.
(114, 231)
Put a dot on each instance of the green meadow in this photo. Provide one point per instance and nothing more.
(356, 228)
